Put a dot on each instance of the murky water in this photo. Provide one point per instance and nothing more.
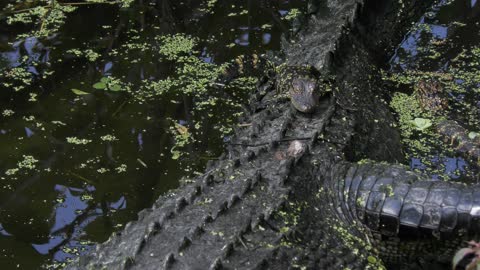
(442, 46)
(76, 167)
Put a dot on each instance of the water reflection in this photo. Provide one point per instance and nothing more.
(85, 187)
(31, 47)
(438, 37)
(440, 23)
(3, 231)
(71, 217)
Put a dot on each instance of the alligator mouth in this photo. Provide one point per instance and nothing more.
(318, 104)
(307, 109)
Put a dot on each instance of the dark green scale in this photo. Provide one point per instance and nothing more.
(300, 83)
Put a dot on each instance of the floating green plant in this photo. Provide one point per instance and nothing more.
(79, 92)
(110, 84)
(421, 123)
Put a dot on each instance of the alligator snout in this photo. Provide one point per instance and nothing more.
(304, 94)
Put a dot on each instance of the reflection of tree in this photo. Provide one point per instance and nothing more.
(104, 111)
(3, 63)
(261, 18)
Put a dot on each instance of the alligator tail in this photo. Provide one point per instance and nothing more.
(403, 206)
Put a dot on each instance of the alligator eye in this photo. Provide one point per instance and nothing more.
(296, 84)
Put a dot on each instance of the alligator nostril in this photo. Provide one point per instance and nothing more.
(307, 109)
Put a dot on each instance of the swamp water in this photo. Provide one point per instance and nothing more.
(444, 47)
(105, 107)
(106, 111)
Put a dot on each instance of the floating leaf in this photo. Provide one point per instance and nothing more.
(79, 92)
(104, 79)
(175, 154)
(422, 123)
(100, 85)
(115, 87)
(371, 259)
(183, 130)
(472, 135)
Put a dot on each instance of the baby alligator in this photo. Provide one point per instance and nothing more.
(431, 95)
(300, 83)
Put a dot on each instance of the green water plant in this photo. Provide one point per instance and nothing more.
(46, 17)
(110, 84)
(472, 135)
(182, 137)
(421, 123)
(79, 92)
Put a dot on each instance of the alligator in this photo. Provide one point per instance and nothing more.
(431, 95)
(302, 84)
(322, 190)
(433, 98)
(458, 137)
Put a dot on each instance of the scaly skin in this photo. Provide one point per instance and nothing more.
(266, 206)
(431, 96)
(393, 202)
(458, 138)
(301, 84)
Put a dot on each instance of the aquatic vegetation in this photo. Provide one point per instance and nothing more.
(182, 137)
(7, 112)
(413, 123)
(79, 92)
(111, 84)
(192, 75)
(77, 141)
(472, 135)
(104, 109)
(434, 52)
(121, 169)
(27, 164)
(293, 14)
(89, 54)
(108, 138)
(209, 6)
(17, 78)
(45, 17)
(174, 46)
(422, 123)
(196, 79)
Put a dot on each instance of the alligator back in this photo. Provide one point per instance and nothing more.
(251, 210)
(251, 65)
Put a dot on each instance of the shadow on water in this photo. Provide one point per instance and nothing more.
(74, 168)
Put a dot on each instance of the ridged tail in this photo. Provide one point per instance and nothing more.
(396, 202)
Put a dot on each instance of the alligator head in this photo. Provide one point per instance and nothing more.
(303, 86)
(304, 94)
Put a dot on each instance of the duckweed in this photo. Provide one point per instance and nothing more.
(77, 141)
